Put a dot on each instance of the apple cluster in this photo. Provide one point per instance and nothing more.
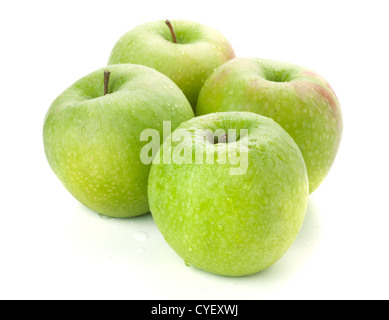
(251, 139)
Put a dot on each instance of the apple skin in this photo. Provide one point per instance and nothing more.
(189, 62)
(92, 142)
(226, 224)
(300, 100)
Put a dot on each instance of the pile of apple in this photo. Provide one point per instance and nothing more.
(185, 74)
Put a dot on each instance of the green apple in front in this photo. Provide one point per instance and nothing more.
(189, 61)
(300, 100)
(92, 141)
(229, 222)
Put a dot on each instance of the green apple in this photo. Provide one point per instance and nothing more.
(300, 100)
(189, 61)
(92, 141)
(222, 221)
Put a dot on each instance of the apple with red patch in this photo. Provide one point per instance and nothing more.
(299, 99)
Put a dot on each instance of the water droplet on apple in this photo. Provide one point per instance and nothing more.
(140, 236)
(187, 263)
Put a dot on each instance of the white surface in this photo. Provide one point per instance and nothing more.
(53, 247)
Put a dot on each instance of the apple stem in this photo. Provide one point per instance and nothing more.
(106, 81)
(171, 30)
(222, 139)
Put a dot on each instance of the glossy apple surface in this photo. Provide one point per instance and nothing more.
(299, 99)
(92, 141)
(189, 62)
(230, 224)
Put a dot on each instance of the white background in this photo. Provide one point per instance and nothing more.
(52, 247)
